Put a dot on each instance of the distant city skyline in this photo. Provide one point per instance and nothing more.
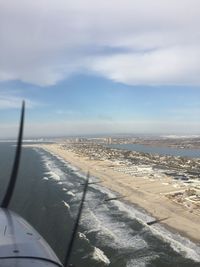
(130, 67)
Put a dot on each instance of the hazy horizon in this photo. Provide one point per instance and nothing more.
(103, 135)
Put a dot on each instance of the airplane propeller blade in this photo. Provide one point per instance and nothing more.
(13, 177)
(76, 224)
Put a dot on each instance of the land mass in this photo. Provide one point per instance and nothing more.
(165, 186)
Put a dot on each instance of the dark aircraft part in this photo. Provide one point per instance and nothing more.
(157, 221)
(13, 177)
(20, 244)
(76, 224)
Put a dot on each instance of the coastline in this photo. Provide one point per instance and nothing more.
(146, 194)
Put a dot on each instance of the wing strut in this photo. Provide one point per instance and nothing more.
(13, 177)
(76, 224)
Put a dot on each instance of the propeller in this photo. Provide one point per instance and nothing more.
(76, 224)
(13, 177)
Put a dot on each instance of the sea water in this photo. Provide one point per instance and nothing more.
(160, 150)
(114, 234)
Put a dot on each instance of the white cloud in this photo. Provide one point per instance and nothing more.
(11, 101)
(176, 65)
(45, 41)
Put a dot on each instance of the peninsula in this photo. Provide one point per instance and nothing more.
(165, 186)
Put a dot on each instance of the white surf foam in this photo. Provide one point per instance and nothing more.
(70, 193)
(53, 175)
(99, 256)
(83, 236)
(80, 174)
(112, 232)
(61, 159)
(141, 261)
(118, 233)
(180, 244)
(53, 171)
(66, 204)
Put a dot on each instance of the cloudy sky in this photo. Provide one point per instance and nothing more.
(125, 66)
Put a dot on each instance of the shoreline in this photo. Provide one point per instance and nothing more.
(136, 192)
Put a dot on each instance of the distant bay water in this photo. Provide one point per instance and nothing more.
(113, 234)
(161, 150)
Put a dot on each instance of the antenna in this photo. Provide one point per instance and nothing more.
(13, 177)
(76, 224)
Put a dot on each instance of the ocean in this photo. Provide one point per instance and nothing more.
(114, 233)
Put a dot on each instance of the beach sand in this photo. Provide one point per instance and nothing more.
(146, 193)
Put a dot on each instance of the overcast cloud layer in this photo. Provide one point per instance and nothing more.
(131, 41)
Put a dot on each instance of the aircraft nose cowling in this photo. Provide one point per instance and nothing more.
(21, 245)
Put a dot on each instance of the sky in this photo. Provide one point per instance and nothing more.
(100, 67)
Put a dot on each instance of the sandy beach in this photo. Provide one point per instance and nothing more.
(146, 193)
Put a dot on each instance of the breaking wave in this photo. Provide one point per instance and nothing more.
(115, 224)
(99, 256)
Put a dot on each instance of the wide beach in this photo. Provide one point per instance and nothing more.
(146, 193)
